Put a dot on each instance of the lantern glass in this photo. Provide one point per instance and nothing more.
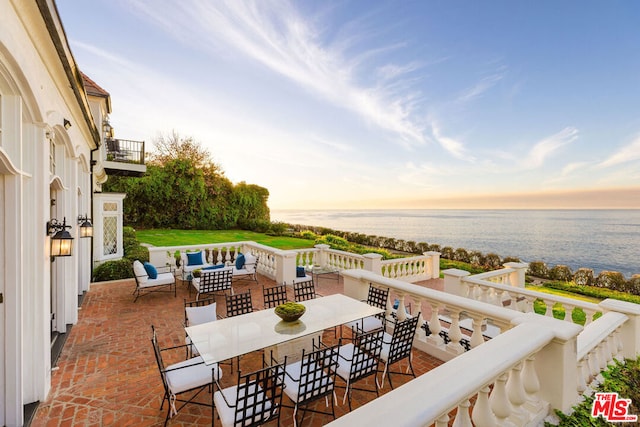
(61, 244)
(86, 229)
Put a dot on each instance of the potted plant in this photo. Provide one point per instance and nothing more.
(290, 311)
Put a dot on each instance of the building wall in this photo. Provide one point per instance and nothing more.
(35, 99)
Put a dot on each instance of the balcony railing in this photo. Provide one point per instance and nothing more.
(531, 366)
(125, 151)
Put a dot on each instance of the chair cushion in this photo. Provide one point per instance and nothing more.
(300, 272)
(194, 258)
(151, 270)
(227, 414)
(214, 267)
(292, 381)
(140, 272)
(190, 374)
(240, 260)
(344, 361)
(202, 314)
(162, 279)
(367, 324)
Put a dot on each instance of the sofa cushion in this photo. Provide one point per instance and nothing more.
(139, 271)
(214, 267)
(194, 258)
(300, 272)
(151, 270)
(240, 260)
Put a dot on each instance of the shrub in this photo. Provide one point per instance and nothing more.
(634, 284)
(137, 252)
(510, 259)
(538, 269)
(492, 261)
(611, 280)
(309, 235)
(561, 272)
(447, 252)
(475, 258)
(461, 255)
(113, 270)
(278, 228)
(583, 277)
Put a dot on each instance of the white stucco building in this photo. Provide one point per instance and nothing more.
(53, 122)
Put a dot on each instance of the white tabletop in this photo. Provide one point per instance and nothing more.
(234, 336)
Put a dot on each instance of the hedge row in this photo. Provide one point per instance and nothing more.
(585, 277)
(490, 261)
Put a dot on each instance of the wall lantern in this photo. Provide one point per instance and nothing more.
(61, 240)
(67, 124)
(86, 228)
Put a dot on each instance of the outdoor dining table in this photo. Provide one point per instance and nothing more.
(235, 336)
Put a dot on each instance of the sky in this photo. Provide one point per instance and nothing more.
(382, 104)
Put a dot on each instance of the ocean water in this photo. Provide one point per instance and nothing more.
(596, 239)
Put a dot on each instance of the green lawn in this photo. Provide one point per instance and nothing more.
(167, 237)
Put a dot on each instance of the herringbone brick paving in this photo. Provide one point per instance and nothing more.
(107, 374)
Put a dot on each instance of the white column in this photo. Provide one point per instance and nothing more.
(517, 278)
(373, 263)
(433, 267)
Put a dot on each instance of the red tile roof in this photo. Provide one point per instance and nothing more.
(92, 87)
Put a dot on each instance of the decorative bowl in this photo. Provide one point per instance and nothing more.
(290, 311)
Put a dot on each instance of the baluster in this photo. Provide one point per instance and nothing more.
(499, 400)
(434, 324)
(227, 258)
(582, 382)
(568, 311)
(483, 293)
(530, 380)
(515, 389)
(462, 416)
(602, 357)
(589, 316)
(442, 421)
(455, 335)
(481, 414)
(549, 310)
(609, 347)
(593, 363)
(401, 313)
(476, 337)
(618, 344)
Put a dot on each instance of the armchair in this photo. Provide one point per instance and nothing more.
(246, 267)
(149, 279)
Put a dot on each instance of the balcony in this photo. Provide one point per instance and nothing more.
(124, 157)
(485, 356)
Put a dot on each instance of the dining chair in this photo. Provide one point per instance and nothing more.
(196, 313)
(255, 399)
(376, 297)
(358, 360)
(397, 346)
(312, 378)
(304, 290)
(183, 377)
(210, 281)
(274, 295)
(239, 304)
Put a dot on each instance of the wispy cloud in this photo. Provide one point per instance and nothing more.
(275, 35)
(480, 88)
(627, 153)
(452, 146)
(543, 149)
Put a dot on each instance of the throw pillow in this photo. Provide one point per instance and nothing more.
(214, 267)
(151, 270)
(240, 262)
(300, 272)
(194, 258)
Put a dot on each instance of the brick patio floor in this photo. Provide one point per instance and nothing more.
(107, 374)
